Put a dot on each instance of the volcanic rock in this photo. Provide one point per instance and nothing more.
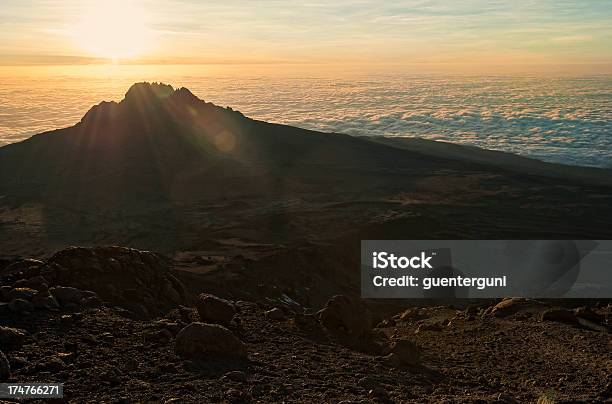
(342, 315)
(11, 337)
(37, 283)
(213, 309)
(275, 314)
(24, 266)
(22, 293)
(143, 276)
(236, 375)
(65, 294)
(199, 341)
(407, 352)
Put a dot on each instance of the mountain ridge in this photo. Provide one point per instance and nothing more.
(164, 170)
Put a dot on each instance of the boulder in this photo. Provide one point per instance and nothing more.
(12, 337)
(215, 310)
(342, 315)
(200, 341)
(406, 352)
(66, 294)
(125, 277)
(5, 368)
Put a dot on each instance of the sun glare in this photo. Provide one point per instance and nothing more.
(114, 30)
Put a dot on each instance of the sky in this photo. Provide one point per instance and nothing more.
(467, 33)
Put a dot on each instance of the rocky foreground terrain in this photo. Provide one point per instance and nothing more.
(121, 325)
(252, 292)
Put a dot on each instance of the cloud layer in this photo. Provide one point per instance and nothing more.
(564, 120)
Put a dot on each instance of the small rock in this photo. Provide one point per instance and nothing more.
(591, 325)
(22, 293)
(393, 360)
(429, 327)
(507, 307)
(18, 362)
(471, 310)
(162, 336)
(23, 265)
(12, 337)
(588, 314)
(378, 393)
(407, 352)
(92, 302)
(215, 310)
(51, 365)
(559, 315)
(275, 314)
(39, 283)
(307, 321)
(66, 294)
(236, 376)
(131, 364)
(412, 314)
(201, 341)
(237, 396)
(345, 316)
(21, 306)
(368, 383)
(66, 319)
(506, 399)
(5, 368)
(86, 294)
(45, 302)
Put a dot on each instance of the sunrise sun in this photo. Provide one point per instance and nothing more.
(113, 30)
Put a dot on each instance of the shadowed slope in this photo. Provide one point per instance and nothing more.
(165, 170)
(160, 142)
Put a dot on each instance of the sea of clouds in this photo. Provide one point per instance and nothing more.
(566, 120)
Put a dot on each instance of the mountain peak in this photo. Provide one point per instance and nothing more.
(147, 91)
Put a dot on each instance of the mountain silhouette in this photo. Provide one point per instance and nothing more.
(161, 142)
(161, 166)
